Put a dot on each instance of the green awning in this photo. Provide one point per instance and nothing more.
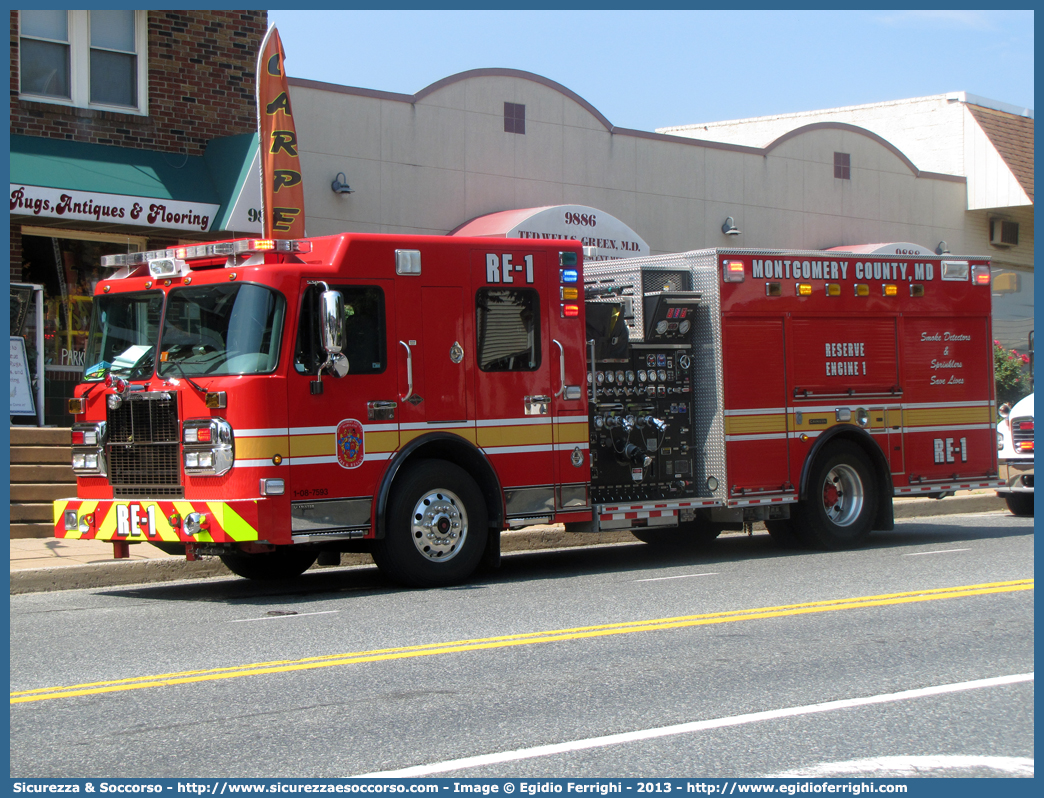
(216, 178)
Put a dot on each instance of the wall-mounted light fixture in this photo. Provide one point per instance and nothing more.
(942, 249)
(729, 228)
(340, 185)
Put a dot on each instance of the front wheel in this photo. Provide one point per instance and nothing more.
(839, 510)
(1020, 504)
(437, 526)
(285, 562)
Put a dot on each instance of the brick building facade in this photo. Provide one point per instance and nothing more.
(112, 108)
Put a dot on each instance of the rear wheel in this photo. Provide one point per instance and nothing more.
(285, 562)
(839, 510)
(783, 533)
(1020, 504)
(437, 526)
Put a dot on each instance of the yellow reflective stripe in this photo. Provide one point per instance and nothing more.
(572, 432)
(313, 445)
(746, 425)
(942, 416)
(58, 508)
(261, 448)
(232, 522)
(467, 433)
(523, 435)
(375, 442)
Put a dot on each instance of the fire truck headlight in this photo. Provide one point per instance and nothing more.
(71, 522)
(208, 446)
(79, 461)
(90, 461)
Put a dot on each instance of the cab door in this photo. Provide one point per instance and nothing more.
(513, 359)
(342, 431)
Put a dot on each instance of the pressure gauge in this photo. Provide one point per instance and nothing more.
(641, 375)
(600, 377)
(662, 375)
(684, 326)
(630, 377)
(609, 376)
(652, 375)
(661, 327)
(620, 377)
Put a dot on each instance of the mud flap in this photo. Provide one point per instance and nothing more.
(491, 556)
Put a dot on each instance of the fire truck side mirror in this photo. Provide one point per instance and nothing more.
(331, 321)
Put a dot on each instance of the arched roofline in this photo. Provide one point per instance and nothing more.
(499, 72)
(862, 131)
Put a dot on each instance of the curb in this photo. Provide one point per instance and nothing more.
(135, 572)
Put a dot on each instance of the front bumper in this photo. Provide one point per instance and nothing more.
(1018, 474)
(144, 521)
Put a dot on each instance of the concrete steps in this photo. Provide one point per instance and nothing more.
(40, 473)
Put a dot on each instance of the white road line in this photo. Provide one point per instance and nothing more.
(907, 766)
(279, 617)
(942, 551)
(696, 726)
(683, 576)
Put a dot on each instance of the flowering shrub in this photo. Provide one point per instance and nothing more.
(1012, 382)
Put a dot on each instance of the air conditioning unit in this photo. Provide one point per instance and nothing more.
(1004, 233)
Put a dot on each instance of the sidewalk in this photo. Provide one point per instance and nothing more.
(43, 564)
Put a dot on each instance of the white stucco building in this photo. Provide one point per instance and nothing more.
(926, 171)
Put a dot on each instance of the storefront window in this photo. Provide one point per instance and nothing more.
(69, 270)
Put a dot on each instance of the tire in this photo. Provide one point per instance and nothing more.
(437, 526)
(783, 533)
(839, 509)
(693, 535)
(1020, 504)
(286, 562)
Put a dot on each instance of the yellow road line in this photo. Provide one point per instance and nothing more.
(505, 641)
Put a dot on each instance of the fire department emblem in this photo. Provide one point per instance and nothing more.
(350, 451)
(577, 457)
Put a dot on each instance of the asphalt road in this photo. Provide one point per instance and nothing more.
(562, 663)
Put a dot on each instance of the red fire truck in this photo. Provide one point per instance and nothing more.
(271, 402)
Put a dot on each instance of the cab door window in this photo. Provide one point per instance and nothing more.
(364, 330)
(507, 326)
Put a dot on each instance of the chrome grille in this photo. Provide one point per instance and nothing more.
(144, 447)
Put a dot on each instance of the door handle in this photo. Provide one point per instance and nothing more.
(380, 411)
(570, 391)
(561, 366)
(409, 372)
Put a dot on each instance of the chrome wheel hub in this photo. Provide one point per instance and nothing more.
(843, 495)
(439, 525)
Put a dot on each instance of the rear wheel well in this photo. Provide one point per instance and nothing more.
(452, 449)
(884, 519)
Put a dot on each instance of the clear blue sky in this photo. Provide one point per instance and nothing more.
(649, 69)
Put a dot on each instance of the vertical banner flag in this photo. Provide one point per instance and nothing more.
(282, 194)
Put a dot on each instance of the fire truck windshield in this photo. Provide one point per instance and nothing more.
(124, 329)
(232, 328)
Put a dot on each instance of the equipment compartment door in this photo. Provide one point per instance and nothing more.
(513, 355)
(756, 445)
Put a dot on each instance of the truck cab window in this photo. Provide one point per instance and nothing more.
(364, 336)
(507, 325)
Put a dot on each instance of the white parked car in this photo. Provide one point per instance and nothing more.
(1015, 455)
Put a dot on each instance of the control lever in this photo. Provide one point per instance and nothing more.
(636, 455)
